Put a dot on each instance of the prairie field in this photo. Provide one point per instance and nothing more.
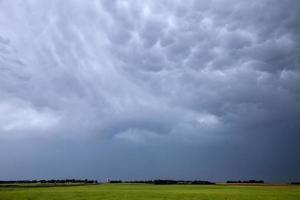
(147, 191)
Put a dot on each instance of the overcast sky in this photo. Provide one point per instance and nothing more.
(146, 89)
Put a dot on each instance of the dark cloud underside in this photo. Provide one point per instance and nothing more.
(145, 89)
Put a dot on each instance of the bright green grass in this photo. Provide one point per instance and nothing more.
(144, 192)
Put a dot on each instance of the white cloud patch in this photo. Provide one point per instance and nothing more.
(21, 117)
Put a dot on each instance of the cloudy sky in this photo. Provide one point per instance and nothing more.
(143, 89)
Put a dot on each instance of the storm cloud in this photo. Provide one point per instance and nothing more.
(150, 89)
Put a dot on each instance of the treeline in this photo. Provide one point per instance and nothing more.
(61, 181)
(248, 181)
(295, 183)
(165, 182)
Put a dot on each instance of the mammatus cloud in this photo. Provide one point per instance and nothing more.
(200, 74)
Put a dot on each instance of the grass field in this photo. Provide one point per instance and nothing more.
(144, 192)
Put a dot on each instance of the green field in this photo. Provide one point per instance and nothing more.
(144, 192)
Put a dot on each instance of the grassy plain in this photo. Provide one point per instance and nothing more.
(147, 192)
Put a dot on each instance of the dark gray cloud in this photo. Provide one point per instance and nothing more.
(194, 89)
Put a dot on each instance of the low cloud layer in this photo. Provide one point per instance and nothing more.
(196, 89)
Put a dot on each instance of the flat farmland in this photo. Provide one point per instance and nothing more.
(146, 191)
